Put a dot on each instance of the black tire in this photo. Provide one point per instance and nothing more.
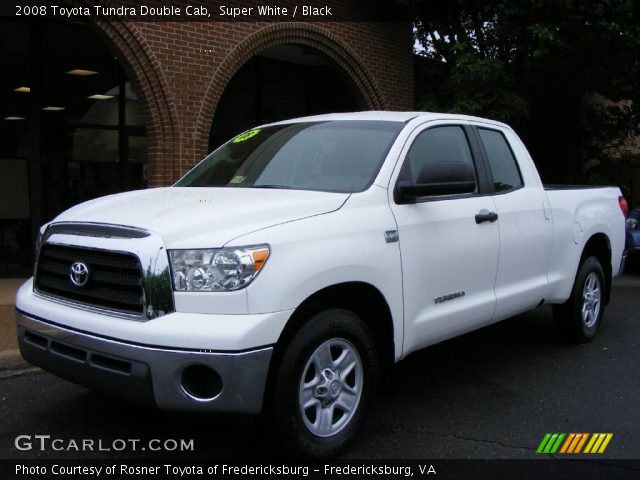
(569, 317)
(327, 331)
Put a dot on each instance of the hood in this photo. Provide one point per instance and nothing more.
(197, 217)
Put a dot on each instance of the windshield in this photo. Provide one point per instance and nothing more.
(334, 156)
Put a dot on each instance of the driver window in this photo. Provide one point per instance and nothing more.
(443, 149)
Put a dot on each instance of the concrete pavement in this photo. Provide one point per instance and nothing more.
(11, 363)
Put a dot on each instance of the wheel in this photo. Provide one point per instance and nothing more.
(579, 318)
(324, 384)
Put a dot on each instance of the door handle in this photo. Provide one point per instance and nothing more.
(485, 215)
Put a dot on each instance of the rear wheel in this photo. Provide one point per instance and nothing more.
(324, 384)
(579, 318)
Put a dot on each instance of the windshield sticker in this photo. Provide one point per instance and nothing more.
(237, 179)
(246, 135)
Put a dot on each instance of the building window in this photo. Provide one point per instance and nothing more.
(70, 129)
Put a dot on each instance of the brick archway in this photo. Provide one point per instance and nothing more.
(364, 87)
(150, 86)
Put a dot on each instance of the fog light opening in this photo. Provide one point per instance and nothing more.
(201, 382)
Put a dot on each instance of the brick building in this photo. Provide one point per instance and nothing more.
(91, 108)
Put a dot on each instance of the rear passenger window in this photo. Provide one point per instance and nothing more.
(504, 167)
(438, 148)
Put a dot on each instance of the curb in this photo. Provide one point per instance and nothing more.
(12, 364)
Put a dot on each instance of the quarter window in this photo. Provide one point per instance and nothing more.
(502, 163)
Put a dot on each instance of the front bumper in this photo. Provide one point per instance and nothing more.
(145, 374)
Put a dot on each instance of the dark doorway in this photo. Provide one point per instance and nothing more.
(281, 82)
(70, 129)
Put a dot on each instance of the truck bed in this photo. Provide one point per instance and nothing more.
(551, 187)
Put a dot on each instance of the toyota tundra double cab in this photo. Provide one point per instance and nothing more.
(298, 261)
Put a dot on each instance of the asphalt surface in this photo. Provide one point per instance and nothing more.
(493, 393)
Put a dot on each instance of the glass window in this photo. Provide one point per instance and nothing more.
(133, 113)
(438, 148)
(90, 98)
(335, 156)
(504, 167)
(137, 149)
(71, 129)
(95, 145)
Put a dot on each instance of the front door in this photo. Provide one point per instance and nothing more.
(449, 260)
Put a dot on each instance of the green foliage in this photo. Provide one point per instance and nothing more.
(536, 64)
(607, 158)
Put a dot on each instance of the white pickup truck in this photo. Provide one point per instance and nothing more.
(290, 267)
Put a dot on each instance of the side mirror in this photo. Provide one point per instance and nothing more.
(442, 178)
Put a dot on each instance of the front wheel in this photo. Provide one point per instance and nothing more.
(579, 318)
(324, 383)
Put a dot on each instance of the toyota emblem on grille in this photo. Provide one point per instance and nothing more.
(79, 274)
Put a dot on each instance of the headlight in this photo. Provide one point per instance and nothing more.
(216, 270)
(632, 223)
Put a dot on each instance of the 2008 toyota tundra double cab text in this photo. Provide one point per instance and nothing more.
(290, 267)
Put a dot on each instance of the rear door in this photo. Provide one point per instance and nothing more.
(449, 262)
(524, 221)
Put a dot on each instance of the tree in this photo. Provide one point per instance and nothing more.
(537, 65)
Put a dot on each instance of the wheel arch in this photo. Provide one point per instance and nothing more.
(362, 298)
(599, 246)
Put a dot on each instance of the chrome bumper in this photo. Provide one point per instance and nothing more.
(145, 374)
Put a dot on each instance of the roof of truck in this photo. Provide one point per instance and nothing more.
(389, 116)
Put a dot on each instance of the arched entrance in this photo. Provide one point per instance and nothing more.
(297, 38)
(280, 82)
(71, 129)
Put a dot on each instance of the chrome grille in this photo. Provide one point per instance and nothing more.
(114, 280)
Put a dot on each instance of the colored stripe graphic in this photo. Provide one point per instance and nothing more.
(591, 443)
(554, 449)
(604, 445)
(576, 439)
(581, 443)
(550, 443)
(598, 443)
(543, 443)
(568, 443)
(574, 443)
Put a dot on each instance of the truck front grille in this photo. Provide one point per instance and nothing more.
(113, 280)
